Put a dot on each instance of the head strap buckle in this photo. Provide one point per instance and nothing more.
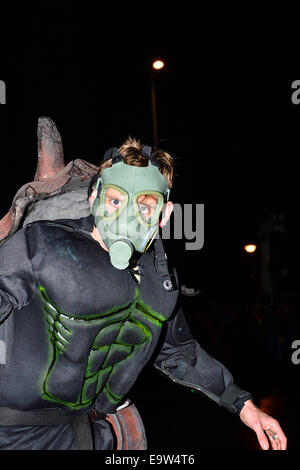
(147, 152)
(114, 154)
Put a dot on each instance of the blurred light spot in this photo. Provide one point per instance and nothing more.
(158, 64)
(250, 248)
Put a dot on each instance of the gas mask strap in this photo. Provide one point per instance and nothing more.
(161, 266)
(116, 157)
(114, 154)
(147, 152)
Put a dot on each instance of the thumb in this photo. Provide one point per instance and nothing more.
(262, 438)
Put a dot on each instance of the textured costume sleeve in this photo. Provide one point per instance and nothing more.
(16, 276)
(183, 360)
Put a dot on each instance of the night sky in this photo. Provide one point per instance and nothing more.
(222, 113)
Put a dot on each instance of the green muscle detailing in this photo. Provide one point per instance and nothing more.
(154, 316)
(111, 396)
(95, 346)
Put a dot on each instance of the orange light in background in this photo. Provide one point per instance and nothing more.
(158, 64)
(250, 248)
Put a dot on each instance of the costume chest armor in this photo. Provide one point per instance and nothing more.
(95, 326)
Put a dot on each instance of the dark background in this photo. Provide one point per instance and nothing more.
(227, 117)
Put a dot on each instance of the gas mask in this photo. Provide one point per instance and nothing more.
(128, 206)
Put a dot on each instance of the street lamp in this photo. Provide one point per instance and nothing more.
(156, 65)
(251, 248)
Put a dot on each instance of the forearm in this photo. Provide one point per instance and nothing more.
(184, 361)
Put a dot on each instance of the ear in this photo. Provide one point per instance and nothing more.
(168, 209)
(93, 196)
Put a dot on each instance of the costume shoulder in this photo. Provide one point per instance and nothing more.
(83, 224)
(15, 251)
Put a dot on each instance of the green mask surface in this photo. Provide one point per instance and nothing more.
(127, 209)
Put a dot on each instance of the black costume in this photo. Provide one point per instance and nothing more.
(78, 331)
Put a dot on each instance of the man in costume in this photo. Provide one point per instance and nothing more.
(84, 302)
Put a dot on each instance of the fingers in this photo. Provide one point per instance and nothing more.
(274, 439)
(267, 429)
(277, 437)
(262, 438)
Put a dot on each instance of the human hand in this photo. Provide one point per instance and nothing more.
(263, 425)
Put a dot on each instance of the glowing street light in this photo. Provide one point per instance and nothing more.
(158, 64)
(250, 248)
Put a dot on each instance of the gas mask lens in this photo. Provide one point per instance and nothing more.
(113, 200)
(148, 206)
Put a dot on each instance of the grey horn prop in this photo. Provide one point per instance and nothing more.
(50, 150)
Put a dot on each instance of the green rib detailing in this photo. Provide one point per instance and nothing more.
(123, 321)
